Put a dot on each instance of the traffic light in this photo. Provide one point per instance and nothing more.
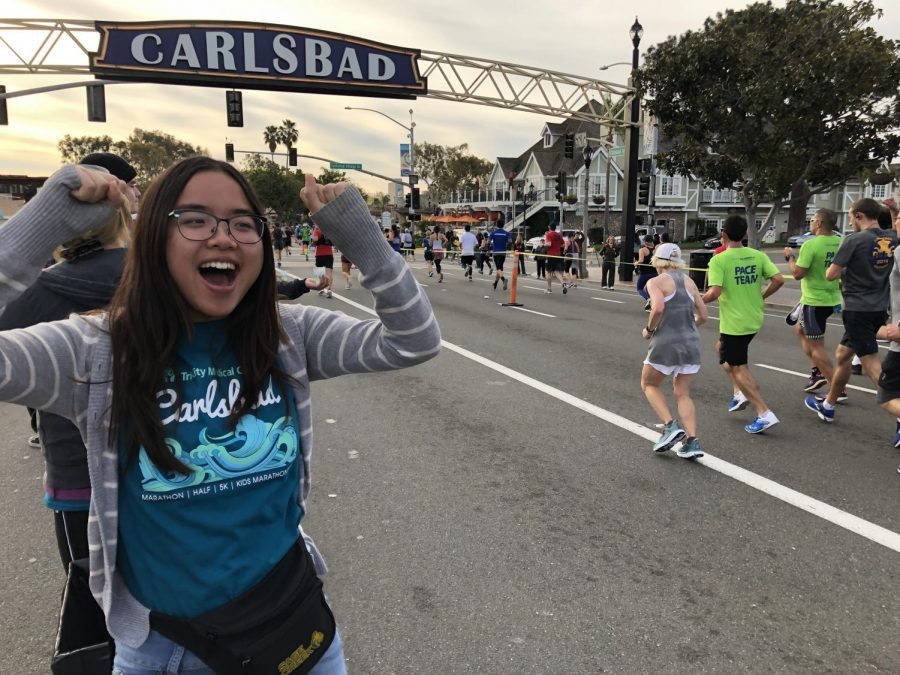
(292, 156)
(644, 189)
(408, 200)
(229, 152)
(570, 146)
(234, 106)
(416, 202)
(96, 103)
(560, 186)
(4, 116)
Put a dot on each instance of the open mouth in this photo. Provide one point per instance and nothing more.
(218, 273)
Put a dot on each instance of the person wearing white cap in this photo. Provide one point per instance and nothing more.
(676, 309)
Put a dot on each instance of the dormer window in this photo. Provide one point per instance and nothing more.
(548, 139)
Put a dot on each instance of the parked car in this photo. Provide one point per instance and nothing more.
(712, 242)
(799, 239)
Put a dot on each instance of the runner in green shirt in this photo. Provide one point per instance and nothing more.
(818, 296)
(735, 280)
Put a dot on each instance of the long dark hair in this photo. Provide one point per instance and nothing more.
(148, 311)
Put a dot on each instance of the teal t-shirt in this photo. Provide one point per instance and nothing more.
(740, 272)
(188, 544)
(816, 255)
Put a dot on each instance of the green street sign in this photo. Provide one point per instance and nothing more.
(617, 152)
(338, 166)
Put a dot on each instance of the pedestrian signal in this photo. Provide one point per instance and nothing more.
(229, 152)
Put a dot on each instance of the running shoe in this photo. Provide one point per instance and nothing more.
(548, 290)
(690, 449)
(279, 264)
(328, 293)
(896, 437)
(322, 292)
(760, 424)
(816, 381)
(856, 369)
(817, 405)
(495, 284)
(347, 287)
(738, 402)
(671, 434)
(794, 315)
(842, 396)
(431, 274)
(647, 306)
(35, 441)
(503, 279)
(565, 288)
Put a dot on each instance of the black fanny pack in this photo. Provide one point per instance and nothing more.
(280, 626)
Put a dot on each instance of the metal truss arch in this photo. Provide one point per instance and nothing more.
(62, 47)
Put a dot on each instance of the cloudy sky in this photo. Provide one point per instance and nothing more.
(575, 37)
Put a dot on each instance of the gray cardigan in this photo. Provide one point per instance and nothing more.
(64, 367)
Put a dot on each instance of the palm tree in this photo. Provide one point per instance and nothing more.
(289, 134)
(272, 137)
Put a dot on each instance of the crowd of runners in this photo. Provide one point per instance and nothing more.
(851, 275)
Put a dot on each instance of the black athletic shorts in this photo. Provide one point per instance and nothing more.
(467, 260)
(733, 348)
(498, 261)
(554, 264)
(860, 329)
(429, 254)
(889, 381)
(326, 261)
(813, 321)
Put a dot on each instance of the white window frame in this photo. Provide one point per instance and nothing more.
(669, 186)
(878, 191)
(548, 140)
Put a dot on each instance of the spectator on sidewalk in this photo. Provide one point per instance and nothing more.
(608, 252)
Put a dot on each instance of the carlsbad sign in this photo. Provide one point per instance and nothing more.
(255, 56)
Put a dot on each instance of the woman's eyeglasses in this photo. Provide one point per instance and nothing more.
(199, 225)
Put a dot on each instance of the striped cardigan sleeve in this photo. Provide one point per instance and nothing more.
(45, 366)
(405, 332)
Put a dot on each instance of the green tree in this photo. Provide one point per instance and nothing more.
(289, 134)
(783, 103)
(152, 152)
(331, 176)
(277, 187)
(149, 152)
(446, 168)
(73, 149)
(272, 138)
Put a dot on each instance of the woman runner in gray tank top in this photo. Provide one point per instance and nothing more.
(676, 309)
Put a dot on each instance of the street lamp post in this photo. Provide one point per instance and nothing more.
(412, 147)
(626, 260)
(587, 154)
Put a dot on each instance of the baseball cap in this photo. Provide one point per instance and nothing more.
(117, 166)
(668, 252)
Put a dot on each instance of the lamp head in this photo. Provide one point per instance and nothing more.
(636, 32)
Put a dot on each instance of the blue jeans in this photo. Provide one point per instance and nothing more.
(160, 656)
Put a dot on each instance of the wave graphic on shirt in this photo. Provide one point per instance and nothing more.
(253, 447)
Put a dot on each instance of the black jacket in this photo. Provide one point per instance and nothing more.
(72, 286)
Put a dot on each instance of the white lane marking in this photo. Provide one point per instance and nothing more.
(855, 524)
(618, 302)
(531, 311)
(535, 288)
(794, 372)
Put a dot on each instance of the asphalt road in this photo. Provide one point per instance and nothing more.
(479, 520)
